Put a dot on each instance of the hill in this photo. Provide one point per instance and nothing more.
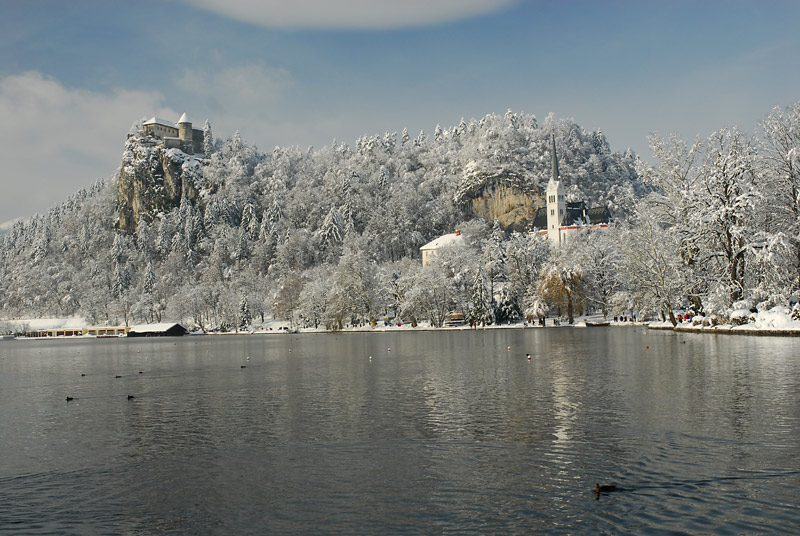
(221, 236)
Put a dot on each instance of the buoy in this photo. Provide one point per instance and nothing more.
(370, 358)
(508, 348)
(646, 347)
(388, 349)
(247, 358)
(529, 356)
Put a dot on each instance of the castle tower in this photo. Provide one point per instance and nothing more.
(185, 130)
(556, 205)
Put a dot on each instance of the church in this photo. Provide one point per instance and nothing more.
(558, 220)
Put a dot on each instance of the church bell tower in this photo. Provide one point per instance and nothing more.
(556, 205)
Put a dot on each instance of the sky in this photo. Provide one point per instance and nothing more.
(75, 75)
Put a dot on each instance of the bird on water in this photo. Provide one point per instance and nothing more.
(606, 488)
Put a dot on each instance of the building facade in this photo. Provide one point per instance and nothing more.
(431, 249)
(180, 135)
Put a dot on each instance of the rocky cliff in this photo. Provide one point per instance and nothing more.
(506, 193)
(153, 179)
(513, 209)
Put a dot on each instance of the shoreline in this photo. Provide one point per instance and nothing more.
(723, 329)
(727, 329)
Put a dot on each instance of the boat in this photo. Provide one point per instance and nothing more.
(597, 324)
(456, 318)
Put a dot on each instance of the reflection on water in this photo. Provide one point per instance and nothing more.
(445, 432)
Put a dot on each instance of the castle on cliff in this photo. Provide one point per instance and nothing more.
(178, 135)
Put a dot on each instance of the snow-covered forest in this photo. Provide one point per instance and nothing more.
(330, 237)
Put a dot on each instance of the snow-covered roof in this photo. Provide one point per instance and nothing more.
(444, 240)
(153, 328)
(159, 121)
(183, 119)
(54, 323)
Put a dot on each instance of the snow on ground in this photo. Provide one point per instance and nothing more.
(777, 318)
(775, 321)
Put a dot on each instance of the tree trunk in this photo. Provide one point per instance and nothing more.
(672, 319)
(569, 308)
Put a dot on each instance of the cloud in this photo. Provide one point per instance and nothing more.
(250, 98)
(244, 87)
(269, 108)
(350, 14)
(56, 140)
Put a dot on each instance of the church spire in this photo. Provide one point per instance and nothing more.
(555, 159)
(556, 207)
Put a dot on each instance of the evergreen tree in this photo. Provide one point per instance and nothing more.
(244, 313)
(208, 139)
(481, 310)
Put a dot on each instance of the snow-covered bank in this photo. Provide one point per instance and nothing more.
(777, 321)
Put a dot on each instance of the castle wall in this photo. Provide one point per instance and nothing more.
(197, 140)
(162, 131)
(173, 143)
(183, 137)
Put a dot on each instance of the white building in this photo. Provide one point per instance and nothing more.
(432, 248)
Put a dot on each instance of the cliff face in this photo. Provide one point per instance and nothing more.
(504, 192)
(513, 209)
(153, 179)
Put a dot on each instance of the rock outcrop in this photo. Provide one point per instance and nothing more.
(513, 209)
(505, 193)
(154, 179)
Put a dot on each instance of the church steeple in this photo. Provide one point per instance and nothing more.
(556, 207)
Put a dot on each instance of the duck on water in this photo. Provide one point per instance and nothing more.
(606, 488)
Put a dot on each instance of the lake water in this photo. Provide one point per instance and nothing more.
(440, 433)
